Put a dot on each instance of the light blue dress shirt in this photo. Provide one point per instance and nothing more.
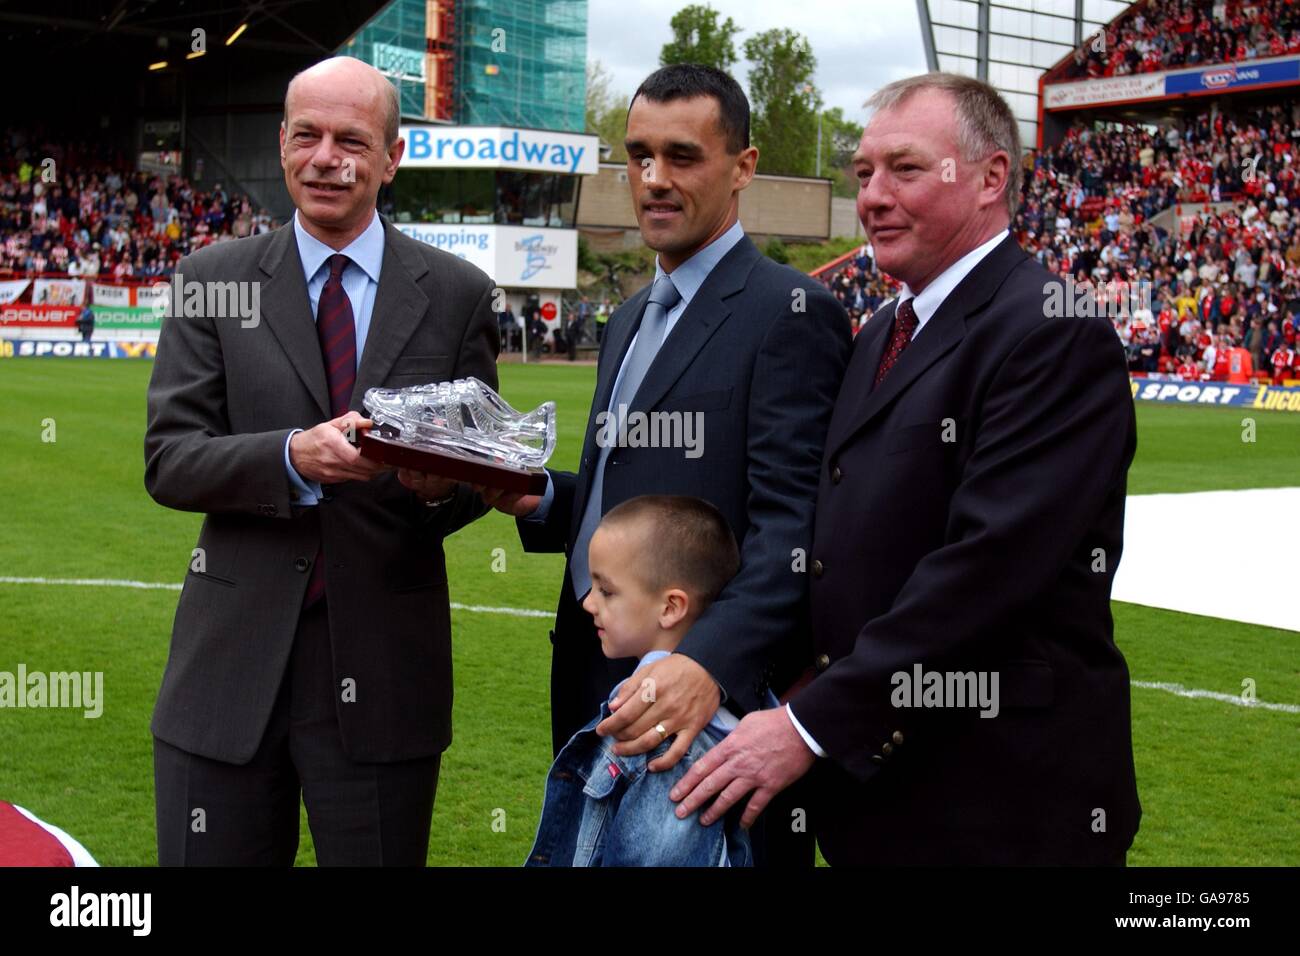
(687, 277)
(360, 282)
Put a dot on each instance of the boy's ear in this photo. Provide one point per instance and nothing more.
(676, 605)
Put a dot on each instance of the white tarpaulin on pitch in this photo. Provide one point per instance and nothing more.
(1226, 554)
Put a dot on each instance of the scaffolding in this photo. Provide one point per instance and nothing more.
(522, 63)
(483, 62)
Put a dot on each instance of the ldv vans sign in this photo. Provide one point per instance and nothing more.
(498, 147)
(1230, 76)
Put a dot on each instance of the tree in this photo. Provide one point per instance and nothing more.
(606, 110)
(775, 250)
(840, 139)
(698, 37)
(783, 102)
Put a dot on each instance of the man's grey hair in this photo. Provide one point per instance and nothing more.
(392, 114)
(985, 123)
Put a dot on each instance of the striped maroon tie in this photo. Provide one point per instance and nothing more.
(904, 325)
(338, 346)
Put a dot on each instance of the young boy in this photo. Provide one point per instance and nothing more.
(657, 562)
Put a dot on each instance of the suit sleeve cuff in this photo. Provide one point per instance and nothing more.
(544, 506)
(807, 737)
(304, 492)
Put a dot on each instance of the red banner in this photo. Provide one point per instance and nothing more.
(39, 316)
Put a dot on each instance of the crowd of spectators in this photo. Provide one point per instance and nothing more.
(860, 287)
(1218, 279)
(1194, 299)
(1176, 34)
(80, 210)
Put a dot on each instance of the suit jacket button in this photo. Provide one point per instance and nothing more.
(301, 564)
(836, 475)
(886, 748)
(823, 661)
(817, 569)
(897, 738)
(876, 758)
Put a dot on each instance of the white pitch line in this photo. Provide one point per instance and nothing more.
(164, 586)
(512, 611)
(1181, 691)
(1176, 689)
(95, 582)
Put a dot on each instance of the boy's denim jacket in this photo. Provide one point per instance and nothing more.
(604, 810)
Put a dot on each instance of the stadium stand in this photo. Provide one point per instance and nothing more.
(97, 216)
(1170, 34)
(1223, 281)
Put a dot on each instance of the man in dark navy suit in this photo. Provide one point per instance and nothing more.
(750, 351)
(968, 703)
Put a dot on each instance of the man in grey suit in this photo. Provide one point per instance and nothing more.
(311, 648)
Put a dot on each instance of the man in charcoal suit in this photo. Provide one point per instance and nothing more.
(311, 648)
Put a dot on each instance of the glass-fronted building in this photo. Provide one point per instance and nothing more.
(523, 63)
(483, 62)
(1010, 43)
(493, 99)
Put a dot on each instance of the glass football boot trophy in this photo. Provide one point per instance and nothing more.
(462, 430)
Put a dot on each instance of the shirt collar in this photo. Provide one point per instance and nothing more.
(649, 658)
(690, 275)
(932, 296)
(366, 250)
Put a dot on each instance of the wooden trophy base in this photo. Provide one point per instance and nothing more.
(473, 471)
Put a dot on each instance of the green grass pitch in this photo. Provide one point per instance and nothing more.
(1218, 782)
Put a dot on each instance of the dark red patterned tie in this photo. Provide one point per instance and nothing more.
(338, 346)
(904, 326)
(338, 337)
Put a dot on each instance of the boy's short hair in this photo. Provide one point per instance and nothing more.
(688, 544)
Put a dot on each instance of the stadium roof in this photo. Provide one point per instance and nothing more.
(1010, 43)
(119, 29)
(72, 56)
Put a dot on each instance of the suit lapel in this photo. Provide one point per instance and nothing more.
(946, 328)
(623, 324)
(286, 309)
(704, 316)
(868, 348)
(399, 306)
(694, 327)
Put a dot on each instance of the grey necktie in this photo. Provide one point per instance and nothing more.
(663, 297)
